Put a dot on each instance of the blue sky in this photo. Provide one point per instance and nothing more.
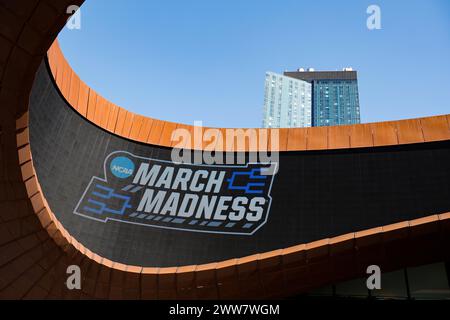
(206, 60)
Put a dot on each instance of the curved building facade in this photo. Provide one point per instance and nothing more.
(85, 182)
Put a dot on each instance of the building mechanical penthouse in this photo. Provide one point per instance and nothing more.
(73, 175)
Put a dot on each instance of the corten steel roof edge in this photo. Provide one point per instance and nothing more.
(35, 249)
(105, 114)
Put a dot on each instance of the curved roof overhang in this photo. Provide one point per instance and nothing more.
(35, 249)
(105, 114)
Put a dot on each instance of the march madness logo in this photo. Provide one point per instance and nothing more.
(229, 199)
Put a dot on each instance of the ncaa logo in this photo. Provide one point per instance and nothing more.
(122, 167)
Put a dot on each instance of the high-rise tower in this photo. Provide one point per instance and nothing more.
(335, 98)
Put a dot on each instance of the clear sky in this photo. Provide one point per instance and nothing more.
(206, 60)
